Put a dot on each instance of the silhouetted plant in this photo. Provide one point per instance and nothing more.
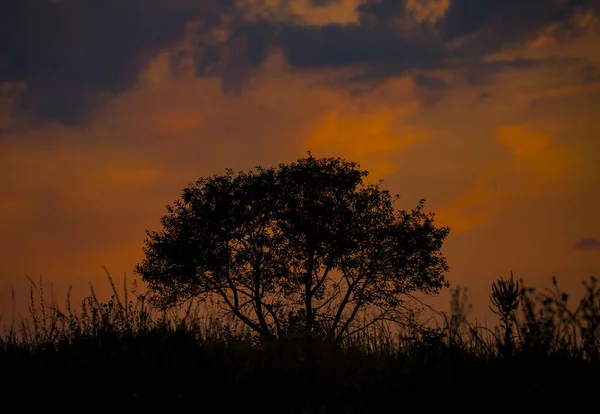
(157, 350)
(459, 309)
(588, 315)
(306, 245)
(542, 319)
(550, 326)
(505, 300)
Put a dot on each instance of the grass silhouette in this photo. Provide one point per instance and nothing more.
(543, 353)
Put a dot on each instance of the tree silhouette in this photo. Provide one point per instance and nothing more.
(305, 246)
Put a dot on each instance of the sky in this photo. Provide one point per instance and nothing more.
(488, 109)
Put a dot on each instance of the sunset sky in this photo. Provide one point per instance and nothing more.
(488, 109)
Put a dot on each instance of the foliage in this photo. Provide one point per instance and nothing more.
(533, 323)
(550, 326)
(131, 350)
(305, 247)
(505, 300)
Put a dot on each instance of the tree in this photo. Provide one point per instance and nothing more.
(305, 246)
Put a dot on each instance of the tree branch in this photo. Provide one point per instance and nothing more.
(345, 300)
(359, 304)
(379, 318)
(258, 300)
(237, 312)
(308, 278)
(322, 280)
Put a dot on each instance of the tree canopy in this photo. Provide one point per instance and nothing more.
(306, 245)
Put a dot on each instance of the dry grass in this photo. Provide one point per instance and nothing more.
(125, 348)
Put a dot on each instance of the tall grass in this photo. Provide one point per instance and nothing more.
(532, 322)
(48, 325)
(141, 352)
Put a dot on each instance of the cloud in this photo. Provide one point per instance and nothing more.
(391, 33)
(523, 144)
(484, 25)
(428, 10)
(390, 38)
(375, 136)
(588, 243)
(70, 56)
(71, 53)
(535, 163)
(430, 82)
(321, 3)
(322, 12)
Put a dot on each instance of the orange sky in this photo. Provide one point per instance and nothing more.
(503, 145)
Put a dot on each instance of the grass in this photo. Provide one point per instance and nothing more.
(543, 352)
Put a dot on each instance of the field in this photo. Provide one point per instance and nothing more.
(543, 354)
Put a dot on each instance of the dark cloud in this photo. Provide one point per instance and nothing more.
(588, 243)
(430, 82)
(464, 17)
(236, 60)
(322, 3)
(481, 73)
(381, 13)
(338, 45)
(589, 73)
(386, 42)
(71, 53)
(490, 24)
